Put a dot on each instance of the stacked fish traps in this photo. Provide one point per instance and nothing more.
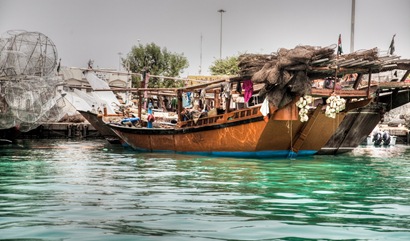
(28, 81)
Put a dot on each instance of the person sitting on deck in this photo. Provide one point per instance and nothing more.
(193, 114)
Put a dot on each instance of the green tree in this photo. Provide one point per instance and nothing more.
(227, 66)
(156, 61)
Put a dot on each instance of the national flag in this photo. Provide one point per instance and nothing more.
(391, 47)
(339, 45)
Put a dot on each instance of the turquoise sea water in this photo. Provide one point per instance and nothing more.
(91, 190)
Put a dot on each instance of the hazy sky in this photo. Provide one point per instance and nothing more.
(100, 29)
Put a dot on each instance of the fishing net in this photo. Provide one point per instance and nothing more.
(27, 53)
(284, 72)
(28, 81)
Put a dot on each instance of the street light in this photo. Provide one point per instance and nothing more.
(220, 41)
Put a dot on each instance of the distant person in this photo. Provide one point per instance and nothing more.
(90, 64)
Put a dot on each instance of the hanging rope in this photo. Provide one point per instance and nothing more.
(291, 154)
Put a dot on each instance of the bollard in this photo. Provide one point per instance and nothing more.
(69, 131)
(85, 131)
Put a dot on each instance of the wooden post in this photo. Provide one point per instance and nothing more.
(139, 105)
(408, 138)
(145, 82)
(69, 131)
(179, 104)
(140, 100)
(368, 84)
(228, 99)
(227, 104)
(216, 99)
(405, 76)
(105, 110)
(334, 84)
(357, 81)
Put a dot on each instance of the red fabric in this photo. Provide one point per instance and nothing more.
(248, 87)
(151, 118)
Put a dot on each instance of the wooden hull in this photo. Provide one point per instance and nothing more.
(238, 137)
(99, 124)
(353, 130)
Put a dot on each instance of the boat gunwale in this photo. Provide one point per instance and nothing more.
(184, 130)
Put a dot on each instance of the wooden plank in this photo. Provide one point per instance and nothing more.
(342, 93)
(304, 132)
(383, 85)
(405, 76)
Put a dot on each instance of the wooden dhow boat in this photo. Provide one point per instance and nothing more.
(97, 121)
(298, 115)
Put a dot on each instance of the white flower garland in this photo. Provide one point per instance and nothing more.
(335, 104)
(303, 105)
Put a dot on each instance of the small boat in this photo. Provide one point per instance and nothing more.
(105, 100)
(99, 124)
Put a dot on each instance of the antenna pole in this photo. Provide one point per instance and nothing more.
(352, 26)
(220, 41)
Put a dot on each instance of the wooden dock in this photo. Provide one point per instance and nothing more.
(61, 131)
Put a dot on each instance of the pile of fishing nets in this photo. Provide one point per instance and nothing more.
(28, 81)
(284, 72)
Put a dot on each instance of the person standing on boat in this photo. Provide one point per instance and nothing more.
(151, 117)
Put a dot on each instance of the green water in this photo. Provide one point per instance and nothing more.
(90, 190)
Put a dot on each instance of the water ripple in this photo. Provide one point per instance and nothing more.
(90, 190)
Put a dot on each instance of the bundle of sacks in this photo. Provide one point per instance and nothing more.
(335, 104)
(303, 105)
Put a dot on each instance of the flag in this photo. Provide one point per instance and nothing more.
(339, 45)
(391, 47)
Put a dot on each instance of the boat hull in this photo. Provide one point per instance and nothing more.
(99, 124)
(353, 130)
(251, 137)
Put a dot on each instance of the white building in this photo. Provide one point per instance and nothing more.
(74, 78)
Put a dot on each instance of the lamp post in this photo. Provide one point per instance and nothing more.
(352, 26)
(220, 40)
